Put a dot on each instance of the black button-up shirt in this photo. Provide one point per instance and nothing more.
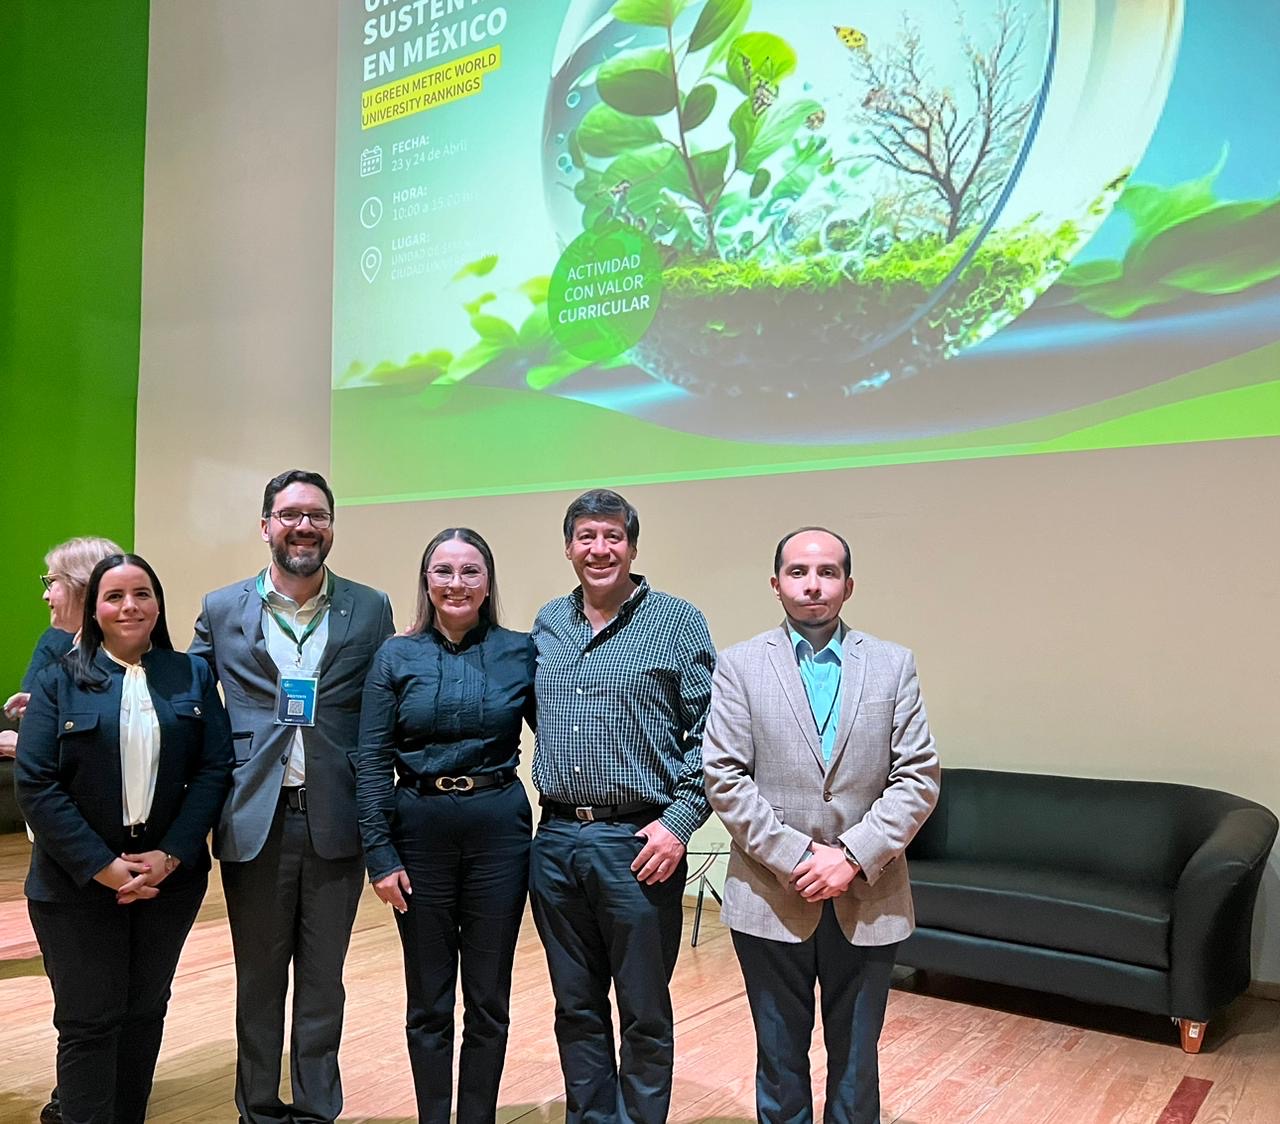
(433, 708)
(621, 711)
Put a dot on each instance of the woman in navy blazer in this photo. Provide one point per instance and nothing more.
(120, 864)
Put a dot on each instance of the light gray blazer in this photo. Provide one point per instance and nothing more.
(766, 780)
(229, 636)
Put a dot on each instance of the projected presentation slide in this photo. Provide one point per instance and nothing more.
(652, 240)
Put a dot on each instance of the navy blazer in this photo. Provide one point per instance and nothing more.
(69, 781)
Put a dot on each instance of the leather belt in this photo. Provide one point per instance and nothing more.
(135, 830)
(435, 786)
(637, 810)
(295, 796)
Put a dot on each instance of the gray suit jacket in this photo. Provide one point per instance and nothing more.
(229, 635)
(767, 782)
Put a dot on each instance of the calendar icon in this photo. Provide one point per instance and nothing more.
(371, 160)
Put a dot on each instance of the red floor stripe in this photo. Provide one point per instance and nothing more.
(1186, 1101)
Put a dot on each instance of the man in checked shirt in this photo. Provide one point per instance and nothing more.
(623, 683)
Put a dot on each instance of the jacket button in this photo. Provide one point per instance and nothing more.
(284, 759)
(68, 725)
(827, 797)
(196, 711)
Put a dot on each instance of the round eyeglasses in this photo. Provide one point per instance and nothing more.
(470, 576)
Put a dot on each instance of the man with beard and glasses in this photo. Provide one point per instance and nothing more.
(291, 647)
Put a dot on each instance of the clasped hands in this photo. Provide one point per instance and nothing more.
(136, 878)
(827, 873)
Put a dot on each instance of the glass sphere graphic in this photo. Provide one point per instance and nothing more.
(844, 197)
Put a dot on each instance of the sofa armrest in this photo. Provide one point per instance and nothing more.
(1212, 919)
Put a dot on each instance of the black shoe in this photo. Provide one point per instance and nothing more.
(51, 1113)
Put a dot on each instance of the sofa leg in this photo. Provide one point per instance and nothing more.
(1192, 1035)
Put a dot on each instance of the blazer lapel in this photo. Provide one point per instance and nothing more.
(251, 626)
(853, 674)
(783, 658)
(339, 624)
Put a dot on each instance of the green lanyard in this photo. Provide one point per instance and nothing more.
(285, 626)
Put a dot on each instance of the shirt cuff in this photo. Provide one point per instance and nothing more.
(680, 821)
(381, 861)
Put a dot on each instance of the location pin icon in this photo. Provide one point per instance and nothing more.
(370, 263)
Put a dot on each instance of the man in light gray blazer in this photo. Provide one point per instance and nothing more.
(291, 647)
(819, 760)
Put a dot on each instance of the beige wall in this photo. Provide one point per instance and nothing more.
(1108, 614)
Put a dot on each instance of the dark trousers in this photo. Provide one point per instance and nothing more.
(111, 968)
(289, 905)
(854, 984)
(467, 857)
(599, 925)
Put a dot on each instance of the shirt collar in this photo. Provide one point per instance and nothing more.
(628, 607)
(474, 636)
(804, 649)
(109, 663)
(273, 594)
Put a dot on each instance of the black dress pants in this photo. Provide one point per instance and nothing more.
(111, 968)
(467, 857)
(853, 982)
(290, 910)
(601, 926)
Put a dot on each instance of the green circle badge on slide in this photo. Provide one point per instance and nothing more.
(604, 292)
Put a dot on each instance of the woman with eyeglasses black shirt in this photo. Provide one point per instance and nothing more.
(446, 825)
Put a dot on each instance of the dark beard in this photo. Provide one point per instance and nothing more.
(300, 566)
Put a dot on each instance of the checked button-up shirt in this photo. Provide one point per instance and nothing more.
(621, 712)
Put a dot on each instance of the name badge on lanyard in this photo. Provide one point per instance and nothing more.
(296, 689)
(296, 694)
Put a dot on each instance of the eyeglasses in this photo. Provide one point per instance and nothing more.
(47, 580)
(318, 519)
(470, 576)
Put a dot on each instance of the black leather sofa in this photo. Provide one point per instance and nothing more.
(1132, 893)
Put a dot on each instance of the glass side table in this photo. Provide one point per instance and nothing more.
(701, 862)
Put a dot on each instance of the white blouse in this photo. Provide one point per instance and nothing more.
(139, 744)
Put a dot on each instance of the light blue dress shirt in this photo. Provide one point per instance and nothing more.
(820, 673)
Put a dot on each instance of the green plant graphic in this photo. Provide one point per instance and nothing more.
(647, 151)
(504, 352)
(1186, 241)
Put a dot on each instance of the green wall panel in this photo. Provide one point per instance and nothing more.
(73, 83)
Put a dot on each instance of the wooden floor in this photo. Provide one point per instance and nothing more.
(951, 1052)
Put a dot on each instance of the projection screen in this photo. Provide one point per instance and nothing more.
(652, 240)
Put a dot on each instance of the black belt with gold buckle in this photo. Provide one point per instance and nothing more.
(435, 786)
